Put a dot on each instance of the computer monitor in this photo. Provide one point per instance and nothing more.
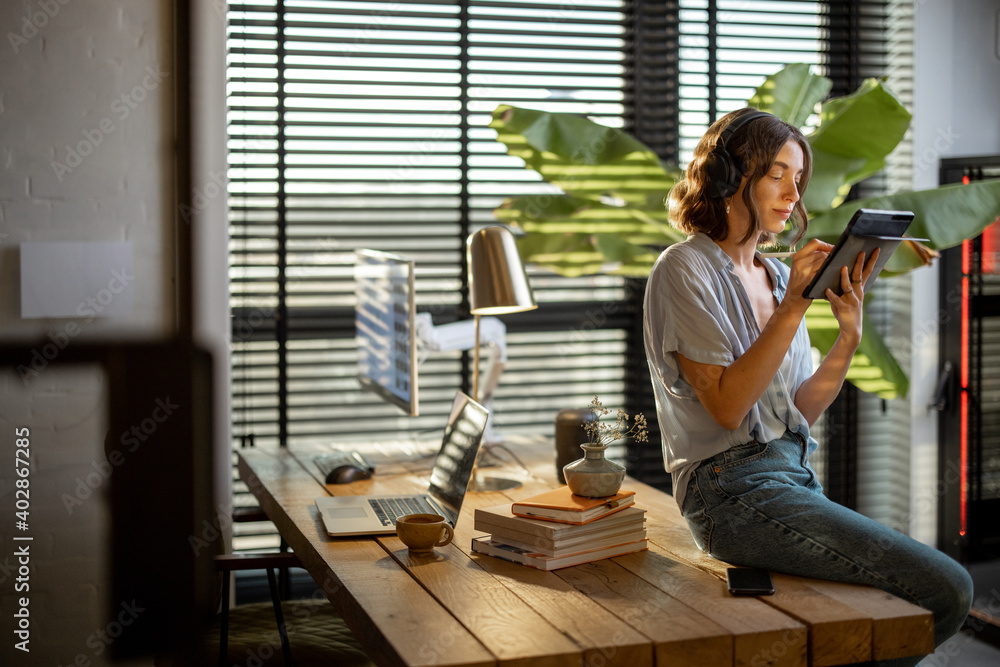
(384, 319)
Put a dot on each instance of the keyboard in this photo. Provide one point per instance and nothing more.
(388, 509)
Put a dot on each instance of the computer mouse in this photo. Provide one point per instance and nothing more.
(346, 474)
(342, 467)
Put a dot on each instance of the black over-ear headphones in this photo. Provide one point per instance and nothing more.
(725, 172)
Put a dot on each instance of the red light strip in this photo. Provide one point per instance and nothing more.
(964, 416)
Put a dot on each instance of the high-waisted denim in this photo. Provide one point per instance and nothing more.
(760, 505)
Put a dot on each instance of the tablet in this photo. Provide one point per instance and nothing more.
(868, 229)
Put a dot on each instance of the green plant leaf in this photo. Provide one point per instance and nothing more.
(582, 157)
(867, 124)
(611, 216)
(873, 369)
(791, 94)
(584, 236)
(826, 185)
(627, 258)
(569, 136)
(529, 209)
(946, 215)
(559, 214)
(567, 254)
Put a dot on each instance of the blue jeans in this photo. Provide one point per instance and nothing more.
(760, 505)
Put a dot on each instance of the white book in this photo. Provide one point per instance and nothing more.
(501, 520)
(485, 545)
(572, 546)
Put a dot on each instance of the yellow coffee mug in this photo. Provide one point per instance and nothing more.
(423, 532)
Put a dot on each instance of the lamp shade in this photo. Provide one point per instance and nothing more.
(497, 281)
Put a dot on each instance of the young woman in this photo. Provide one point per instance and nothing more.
(736, 393)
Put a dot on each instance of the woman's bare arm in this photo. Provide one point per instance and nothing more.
(729, 392)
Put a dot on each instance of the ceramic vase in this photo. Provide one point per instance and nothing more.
(594, 476)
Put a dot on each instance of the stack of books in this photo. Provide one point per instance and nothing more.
(558, 529)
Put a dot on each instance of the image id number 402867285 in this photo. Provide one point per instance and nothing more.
(22, 555)
(22, 470)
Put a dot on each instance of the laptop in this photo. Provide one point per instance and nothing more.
(450, 475)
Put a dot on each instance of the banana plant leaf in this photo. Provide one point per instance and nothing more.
(576, 236)
(866, 124)
(611, 214)
(791, 94)
(581, 157)
(874, 369)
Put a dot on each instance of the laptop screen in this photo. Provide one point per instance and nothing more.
(456, 459)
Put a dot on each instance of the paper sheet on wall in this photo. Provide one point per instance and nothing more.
(76, 279)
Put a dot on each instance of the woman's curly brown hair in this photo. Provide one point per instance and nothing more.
(756, 145)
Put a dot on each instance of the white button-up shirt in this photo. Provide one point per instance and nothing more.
(696, 306)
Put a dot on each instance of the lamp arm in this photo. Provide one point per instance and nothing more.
(491, 379)
(460, 335)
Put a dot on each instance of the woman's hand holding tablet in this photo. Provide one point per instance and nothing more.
(869, 230)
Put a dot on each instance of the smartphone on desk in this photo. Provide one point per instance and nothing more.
(749, 581)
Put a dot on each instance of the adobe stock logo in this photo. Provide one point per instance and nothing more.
(34, 21)
(121, 108)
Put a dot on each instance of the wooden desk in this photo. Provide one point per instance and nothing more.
(665, 606)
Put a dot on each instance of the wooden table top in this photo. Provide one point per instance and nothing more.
(665, 606)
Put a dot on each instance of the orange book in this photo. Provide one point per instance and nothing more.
(565, 507)
(537, 545)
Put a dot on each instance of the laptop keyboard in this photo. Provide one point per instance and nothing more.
(388, 509)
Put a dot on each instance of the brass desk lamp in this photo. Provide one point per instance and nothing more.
(497, 285)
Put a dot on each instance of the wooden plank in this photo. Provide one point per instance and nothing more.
(761, 633)
(899, 629)
(394, 617)
(769, 637)
(604, 637)
(495, 612)
(679, 633)
(504, 623)
(839, 634)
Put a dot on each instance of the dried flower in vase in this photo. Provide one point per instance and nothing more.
(604, 433)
